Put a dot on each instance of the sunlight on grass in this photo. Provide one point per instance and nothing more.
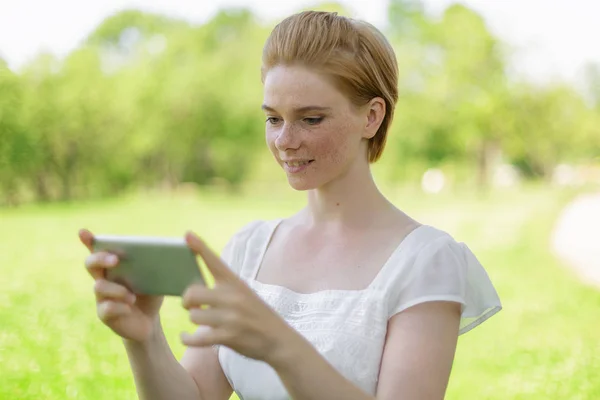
(543, 345)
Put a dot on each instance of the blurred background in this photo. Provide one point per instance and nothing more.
(143, 117)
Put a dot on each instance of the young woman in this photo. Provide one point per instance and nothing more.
(350, 298)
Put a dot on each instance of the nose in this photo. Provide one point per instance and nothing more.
(287, 138)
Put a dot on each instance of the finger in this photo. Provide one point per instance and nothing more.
(87, 239)
(197, 295)
(205, 337)
(109, 310)
(97, 263)
(210, 317)
(215, 265)
(110, 290)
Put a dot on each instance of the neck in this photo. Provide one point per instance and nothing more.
(351, 200)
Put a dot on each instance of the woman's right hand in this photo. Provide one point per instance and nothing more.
(133, 317)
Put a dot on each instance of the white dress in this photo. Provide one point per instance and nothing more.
(348, 327)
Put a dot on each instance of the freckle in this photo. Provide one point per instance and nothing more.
(337, 204)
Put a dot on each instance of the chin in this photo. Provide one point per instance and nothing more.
(301, 184)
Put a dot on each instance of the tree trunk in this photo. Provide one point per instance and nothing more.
(9, 189)
(487, 159)
(66, 186)
(68, 172)
(41, 188)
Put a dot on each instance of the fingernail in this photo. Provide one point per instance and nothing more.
(193, 238)
(111, 259)
(131, 297)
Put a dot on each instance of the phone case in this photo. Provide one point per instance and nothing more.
(151, 265)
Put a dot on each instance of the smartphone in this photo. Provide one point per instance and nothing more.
(151, 265)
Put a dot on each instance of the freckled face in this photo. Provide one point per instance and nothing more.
(312, 129)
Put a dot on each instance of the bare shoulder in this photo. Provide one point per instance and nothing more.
(398, 224)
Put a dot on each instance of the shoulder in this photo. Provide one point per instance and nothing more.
(428, 251)
(253, 230)
(252, 235)
(435, 241)
(425, 241)
(247, 230)
(425, 251)
(437, 267)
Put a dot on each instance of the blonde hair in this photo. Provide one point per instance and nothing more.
(354, 53)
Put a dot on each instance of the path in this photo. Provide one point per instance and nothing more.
(576, 237)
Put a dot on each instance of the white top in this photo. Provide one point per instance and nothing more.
(348, 327)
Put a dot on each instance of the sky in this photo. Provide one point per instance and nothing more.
(551, 38)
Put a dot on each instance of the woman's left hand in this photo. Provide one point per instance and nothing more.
(232, 314)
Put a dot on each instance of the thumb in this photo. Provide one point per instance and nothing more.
(87, 238)
(215, 265)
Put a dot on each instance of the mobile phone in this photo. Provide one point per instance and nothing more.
(151, 265)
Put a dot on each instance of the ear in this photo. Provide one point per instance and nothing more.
(375, 113)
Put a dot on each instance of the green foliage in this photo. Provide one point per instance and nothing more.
(150, 100)
(15, 145)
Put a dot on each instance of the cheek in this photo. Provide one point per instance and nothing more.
(270, 137)
(333, 148)
(341, 142)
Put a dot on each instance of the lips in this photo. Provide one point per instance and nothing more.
(296, 166)
(297, 163)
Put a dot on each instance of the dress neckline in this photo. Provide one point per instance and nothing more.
(280, 289)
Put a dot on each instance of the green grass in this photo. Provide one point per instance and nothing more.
(544, 344)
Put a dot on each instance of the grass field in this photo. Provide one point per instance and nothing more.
(545, 344)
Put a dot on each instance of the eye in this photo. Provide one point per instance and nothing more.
(313, 121)
(272, 120)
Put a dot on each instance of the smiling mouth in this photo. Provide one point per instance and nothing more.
(298, 163)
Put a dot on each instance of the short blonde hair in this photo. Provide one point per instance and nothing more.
(354, 53)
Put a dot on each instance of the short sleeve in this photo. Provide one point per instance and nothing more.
(233, 254)
(448, 271)
(227, 252)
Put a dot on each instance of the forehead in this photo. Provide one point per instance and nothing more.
(295, 86)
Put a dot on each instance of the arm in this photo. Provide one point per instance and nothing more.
(416, 363)
(158, 375)
(204, 367)
(417, 358)
(136, 320)
(419, 352)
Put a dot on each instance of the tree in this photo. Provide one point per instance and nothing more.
(551, 124)
(15, 144)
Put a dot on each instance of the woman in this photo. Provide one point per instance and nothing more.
(350, 298)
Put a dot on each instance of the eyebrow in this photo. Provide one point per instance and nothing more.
(299, 110)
